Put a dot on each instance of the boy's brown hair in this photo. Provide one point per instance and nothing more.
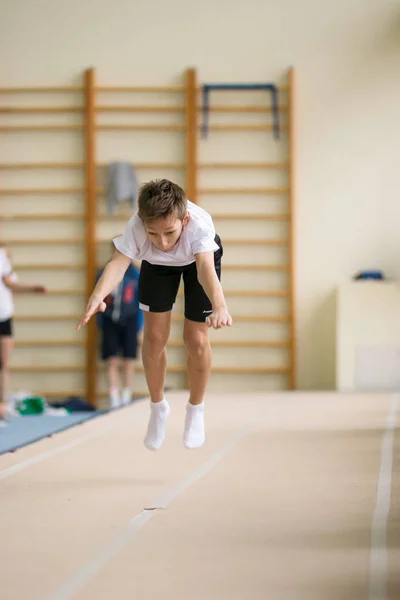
(161, 198)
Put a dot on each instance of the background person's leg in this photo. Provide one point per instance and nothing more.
(113, 364)
(109, 353)
(129, 345)
(6, 346)
(128, 372)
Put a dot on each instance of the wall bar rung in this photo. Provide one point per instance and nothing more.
(39, 128)
(139, 109)
(242, 191)
(251, 293)
(44, 242)
(245, 127)
(139, 165)
(43, 217)
(138, 127)
(244, 165)
(48, 267)
(170, 89)
(250, 217)
(165, 89)
(48, 343)
(177, 343)
(39, 191)
(80, 165)
(254, 242)
(47, 317)
(255, 267)
(40, 109)
(239, 318)
(42, 90)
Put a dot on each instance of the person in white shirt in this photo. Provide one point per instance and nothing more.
(173, 238)
(8, 285)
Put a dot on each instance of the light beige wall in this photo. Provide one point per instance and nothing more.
(346, 55)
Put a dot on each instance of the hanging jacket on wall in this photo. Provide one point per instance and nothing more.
(123, 302)
(122, 185)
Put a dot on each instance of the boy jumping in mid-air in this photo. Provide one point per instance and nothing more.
(173, 237)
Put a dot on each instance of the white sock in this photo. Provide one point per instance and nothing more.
(194, 434)
(114, 397)
(126, 396)
(156, 430)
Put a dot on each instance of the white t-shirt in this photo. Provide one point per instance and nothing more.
(197, 236)
(6, 297)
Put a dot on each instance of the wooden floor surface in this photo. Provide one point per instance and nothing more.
(278, 505)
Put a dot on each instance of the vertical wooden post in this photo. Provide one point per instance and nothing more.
(191, 143)
(90, 238)
(191, 134)
(291, 210)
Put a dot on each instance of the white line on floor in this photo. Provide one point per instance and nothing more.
(100, 560)
(378, 557)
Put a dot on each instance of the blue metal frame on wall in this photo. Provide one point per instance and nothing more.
(208, 87)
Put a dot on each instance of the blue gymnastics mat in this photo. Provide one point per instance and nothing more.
(21, 431)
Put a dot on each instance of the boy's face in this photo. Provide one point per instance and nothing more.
(164, 233)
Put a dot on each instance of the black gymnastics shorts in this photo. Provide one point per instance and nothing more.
(158, 287)
(6, 328)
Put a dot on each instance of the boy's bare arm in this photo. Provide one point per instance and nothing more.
(111, 277)
(209, 281)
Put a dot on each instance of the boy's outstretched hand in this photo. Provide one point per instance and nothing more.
(94, 306)
(219, 317)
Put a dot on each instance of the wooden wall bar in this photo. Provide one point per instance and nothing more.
(90, 240)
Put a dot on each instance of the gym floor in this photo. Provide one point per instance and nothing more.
(293, 497)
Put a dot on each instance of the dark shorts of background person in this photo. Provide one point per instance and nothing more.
(158, 287)
(119, 340)
(6, 330)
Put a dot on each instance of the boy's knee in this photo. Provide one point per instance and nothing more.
(196, 343)
(155, 339)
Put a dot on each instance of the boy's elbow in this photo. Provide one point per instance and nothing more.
(119, 263)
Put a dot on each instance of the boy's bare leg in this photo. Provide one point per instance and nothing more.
(155, 337)
(6, 346)
(112, 372)
(154, 355)
(129, 368)
(199, 358)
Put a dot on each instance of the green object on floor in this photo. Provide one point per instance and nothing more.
(31, 406)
